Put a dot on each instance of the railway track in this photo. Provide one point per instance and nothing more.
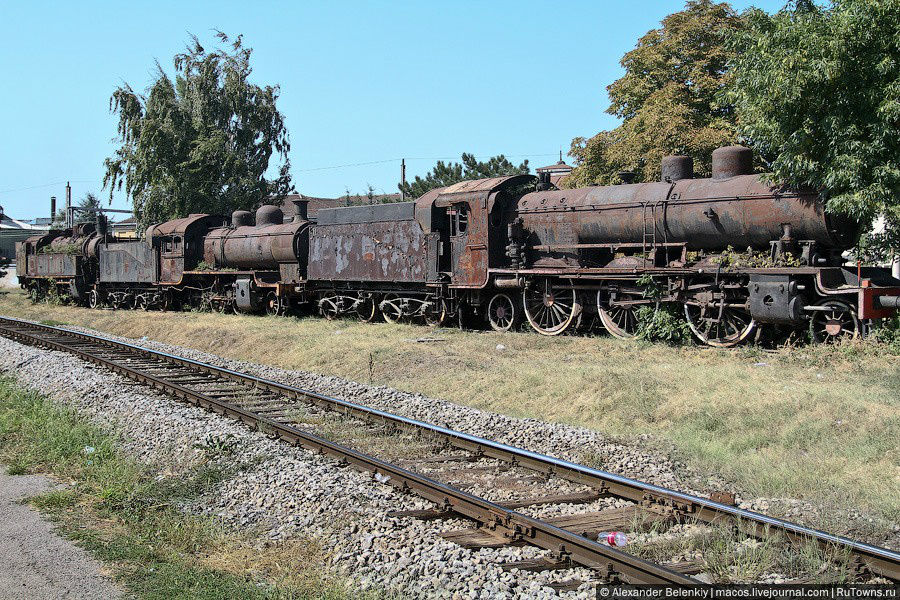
(299, 416)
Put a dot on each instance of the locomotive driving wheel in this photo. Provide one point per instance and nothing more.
(391, 308)
(366, 309)
(435, 313)
(721, 327)
(620, 320)
(835, 322)
(551, 306)
(329, 307)
(503, 313)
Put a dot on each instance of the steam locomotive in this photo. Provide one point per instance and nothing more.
(737, 254)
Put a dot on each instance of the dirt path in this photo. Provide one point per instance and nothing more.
(35, 562)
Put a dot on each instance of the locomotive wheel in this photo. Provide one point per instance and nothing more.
(732, 329)
(391, 309)
(838, 322)
(274, 304)
(166, 301)
(503, 313)
(436, 316)
(367, 309)
(328, 307)
(94, 299)
(551, 307)
(620, 321)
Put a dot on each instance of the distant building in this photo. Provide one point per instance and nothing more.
(558, 172)
(12, 231)
(126, 228)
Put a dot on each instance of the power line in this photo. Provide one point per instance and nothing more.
(44, 185)
(389, 160)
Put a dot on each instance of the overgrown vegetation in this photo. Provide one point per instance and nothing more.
(659, 322)
(752, 259)
(128, 515)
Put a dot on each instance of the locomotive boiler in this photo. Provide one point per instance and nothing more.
(735, 208)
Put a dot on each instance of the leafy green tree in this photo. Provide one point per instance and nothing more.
(444, 174)
(201, 142)
(89, 205)
(818, 89)
(667, 99)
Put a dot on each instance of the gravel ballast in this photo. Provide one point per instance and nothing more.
(282, 491)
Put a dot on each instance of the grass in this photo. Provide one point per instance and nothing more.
(127, 514)
(818, 423)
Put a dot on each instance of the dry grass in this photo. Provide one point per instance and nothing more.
(816, 423)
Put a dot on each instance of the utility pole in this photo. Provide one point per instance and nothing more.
(403, 178)
(68, 205)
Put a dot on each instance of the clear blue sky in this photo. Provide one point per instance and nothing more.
(360, 81)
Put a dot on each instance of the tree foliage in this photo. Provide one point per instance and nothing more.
(818, 89)
(444, 174)
(201, 142)
(89, 205)
(667, 99)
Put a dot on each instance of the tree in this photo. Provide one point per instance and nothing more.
(668, 99)
(89, 205)
(444, 174)
(818, 89)
(201, 142)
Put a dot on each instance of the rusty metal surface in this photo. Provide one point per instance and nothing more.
(180, 244)
(705, 214)
(55, 265)
(731, 161)
(128, 262)
(256, 247)
(388, 251)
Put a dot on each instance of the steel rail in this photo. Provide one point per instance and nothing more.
(880, 561)
(503, 522)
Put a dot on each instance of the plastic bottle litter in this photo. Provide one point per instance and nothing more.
(613, 538)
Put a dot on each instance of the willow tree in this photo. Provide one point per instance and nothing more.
(668, 99)
(202, 141)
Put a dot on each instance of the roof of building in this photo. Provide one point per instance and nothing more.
(8, 223)
(560, 167)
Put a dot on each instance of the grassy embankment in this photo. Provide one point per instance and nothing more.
(126, 515)
(813, 422)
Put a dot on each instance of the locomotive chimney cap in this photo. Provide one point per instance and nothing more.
(269, 215)
(731, 161)
(675, 168)
(241, 218)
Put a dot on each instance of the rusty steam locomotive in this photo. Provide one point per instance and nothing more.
(735, 253)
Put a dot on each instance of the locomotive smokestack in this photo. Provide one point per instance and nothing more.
(675, 168)
(627, 177)
(731, 161)
(301, 210)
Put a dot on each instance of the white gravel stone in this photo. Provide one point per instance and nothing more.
(283, 491)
